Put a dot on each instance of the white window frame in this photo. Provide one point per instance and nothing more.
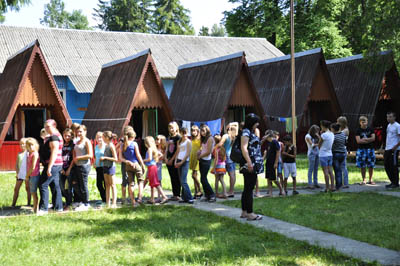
(63, 93)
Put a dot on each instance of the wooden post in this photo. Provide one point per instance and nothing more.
(156, 122)
(293, 72)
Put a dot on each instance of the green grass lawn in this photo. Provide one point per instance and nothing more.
(7, 181)
(158, 235)
(367, 217)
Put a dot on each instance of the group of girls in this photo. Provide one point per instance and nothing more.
(179, 151)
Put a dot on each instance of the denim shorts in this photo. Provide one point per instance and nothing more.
(109, 170)
(230, 167)
(34, 183)
(279, 169)
(365, 158)
(326, 161)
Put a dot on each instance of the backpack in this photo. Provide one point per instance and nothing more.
(236, 152)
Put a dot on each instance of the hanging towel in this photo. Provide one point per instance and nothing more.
(289, 124)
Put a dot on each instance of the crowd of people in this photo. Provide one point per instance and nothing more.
(68, 158)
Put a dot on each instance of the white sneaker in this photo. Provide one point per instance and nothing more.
(81, 207)
(41, 212)
(76, 204)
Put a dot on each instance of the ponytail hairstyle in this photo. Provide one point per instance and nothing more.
(222, 154)
(108, 135)
(131, 134)
(151, 144)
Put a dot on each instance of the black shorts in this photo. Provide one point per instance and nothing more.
(270, 172)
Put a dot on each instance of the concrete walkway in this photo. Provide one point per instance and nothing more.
(352, 248)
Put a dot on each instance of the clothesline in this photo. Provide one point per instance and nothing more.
(98, 119)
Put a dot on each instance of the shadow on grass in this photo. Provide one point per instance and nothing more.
(191, 236)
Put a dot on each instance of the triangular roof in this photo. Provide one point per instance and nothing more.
(360, 78)
(203, 91)
(12, 85)
(123, 85)
(272, 79)
(79, 54)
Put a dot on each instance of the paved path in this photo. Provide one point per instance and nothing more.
(353, 248)
(391, 193)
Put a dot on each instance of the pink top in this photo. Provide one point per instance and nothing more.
(35, 171)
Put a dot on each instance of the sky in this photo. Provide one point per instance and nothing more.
(202, 12)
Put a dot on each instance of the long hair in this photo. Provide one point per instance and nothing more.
(222, 153)
(342, 121)
(151, 144)
(195, 128)
(108, 135)
(32, 144)
(163, 142)
(208, 133)
(314, 129)
(175, 125)
(129, 135)
(250, 120)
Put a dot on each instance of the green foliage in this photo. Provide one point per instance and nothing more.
(55, 16)
(340, 27)
(204, 31)
(11, 5)
(218, 31)
(124, 15)
(161, 16)
(170, 17)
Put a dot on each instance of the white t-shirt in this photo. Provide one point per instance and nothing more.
(327, 142)
(392, 135)
(310, 147)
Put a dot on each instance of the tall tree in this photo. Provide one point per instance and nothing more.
(170, 17)
(55, 16)
(255, 18)
(218, 31)
(11, 5)
(204, 31)
(270, 19)
(124, 15)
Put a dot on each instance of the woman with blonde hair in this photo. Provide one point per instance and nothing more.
(33, 170)
(152, 157)
(108, 160)
(193, 162)
(227, 142)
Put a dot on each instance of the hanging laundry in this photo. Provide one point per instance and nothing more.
(289, 124)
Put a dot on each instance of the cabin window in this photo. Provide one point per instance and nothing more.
(63, 94)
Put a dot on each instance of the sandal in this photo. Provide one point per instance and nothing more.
(362, 183)
(243, 216)
(371, 183)
(164, 201)
(257, 218)
(231, 196)
(150, 202)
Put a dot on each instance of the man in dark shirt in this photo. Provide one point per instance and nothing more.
(365, 156)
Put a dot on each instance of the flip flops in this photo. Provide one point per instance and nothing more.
(371, 183)
(257, 218)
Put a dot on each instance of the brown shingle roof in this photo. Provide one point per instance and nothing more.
(12, 80)
(358, 84)
(116, 90)
(202, 91)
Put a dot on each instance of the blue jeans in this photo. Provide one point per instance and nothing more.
(345, 172)
(338, 164)
(66, 192)
(183, 171)
(44, 183)
(82, 172)
(313, 163)
(204, 166)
